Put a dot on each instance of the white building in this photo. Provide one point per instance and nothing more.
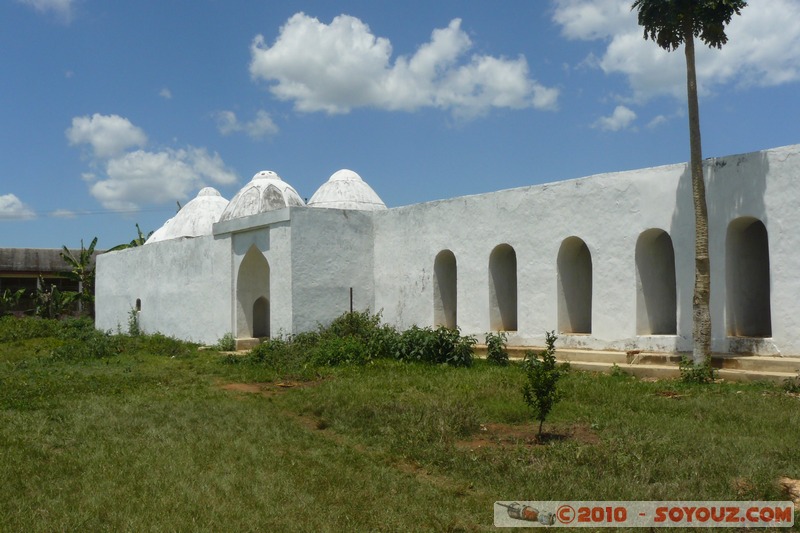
(607, 261)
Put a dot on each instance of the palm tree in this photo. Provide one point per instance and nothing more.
(671, 23)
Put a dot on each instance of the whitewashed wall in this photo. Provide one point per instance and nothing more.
(332, 251)
(608, 212)
(183, 284)
(188, 286)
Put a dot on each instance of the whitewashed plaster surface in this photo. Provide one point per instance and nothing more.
(608, 212)
(194, 219)
(183, 285)
(316, 255)
(332, 251)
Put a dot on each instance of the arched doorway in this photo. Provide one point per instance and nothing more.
(252, 296)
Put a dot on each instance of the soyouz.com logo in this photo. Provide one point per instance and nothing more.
(643, 514)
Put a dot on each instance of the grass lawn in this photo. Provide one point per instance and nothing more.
(185, 442)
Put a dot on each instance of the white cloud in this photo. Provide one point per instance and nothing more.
(620, 119)
(122, 178)
(763, 47)
(63, 213)
(261, 126)
(165, 93)
(657, 121)
(108, 135)
(61, 8)
(340, 66)
(141, 177)
(12, 207)
(596, 19)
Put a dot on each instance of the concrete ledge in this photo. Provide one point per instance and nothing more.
(247, 344)
(665, 365)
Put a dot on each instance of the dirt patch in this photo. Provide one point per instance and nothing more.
(669, 394)
(791, 487)
(267, 389)
(244, 387)
(492, 436)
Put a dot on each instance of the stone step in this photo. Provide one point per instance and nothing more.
(247, 343)
(665, 365)
(760, 363)
(673, 372)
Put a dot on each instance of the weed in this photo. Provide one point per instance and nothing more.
(133, 323)
(792, 385)
(696, 373)
(496, 348)
(89, 345)
(540, 390)
(617, 372)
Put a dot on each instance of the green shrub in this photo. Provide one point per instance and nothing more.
(226, 344)
(89, 345)
(439, 346)
(76, 328)
(496, 348)
(381, 340)
(353, 324)
(333, 351)
(305, 341)
(275, 353)
(22, 328)
(540, 390)
(159, 344)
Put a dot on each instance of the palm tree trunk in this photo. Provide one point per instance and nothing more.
(701, 314)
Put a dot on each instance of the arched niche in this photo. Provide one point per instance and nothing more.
(252, 295)
(503, 288)
(748, 279)
(445, 284)
(574, 287)
(656, 294)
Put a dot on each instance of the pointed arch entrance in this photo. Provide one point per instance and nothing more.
(252, 296)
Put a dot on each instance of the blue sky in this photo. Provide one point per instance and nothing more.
(112, 112)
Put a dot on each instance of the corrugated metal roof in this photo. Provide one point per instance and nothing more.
(33, 260)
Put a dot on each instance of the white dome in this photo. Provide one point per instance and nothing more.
(194, 219)
(346, 190)
(265, 192)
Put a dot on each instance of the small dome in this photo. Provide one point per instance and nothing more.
(194, 219)
(265, 192)
(346, 190)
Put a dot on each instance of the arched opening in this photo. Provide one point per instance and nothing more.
(261, 317)
(574, 287)
(252, 296)
(445, 283)
(503, 288)
(747, 279)
(656, 294)
(138, 304)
